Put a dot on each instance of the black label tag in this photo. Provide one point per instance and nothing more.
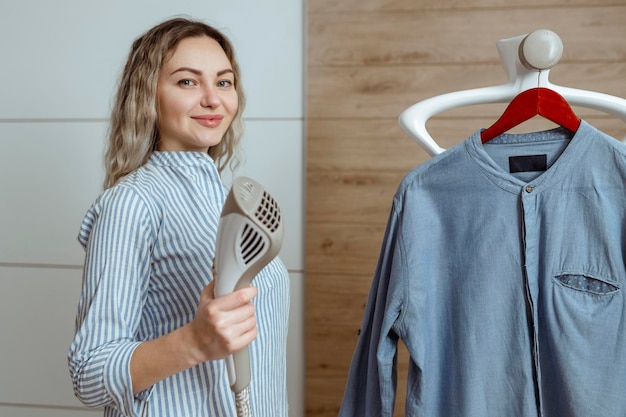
(528, 163)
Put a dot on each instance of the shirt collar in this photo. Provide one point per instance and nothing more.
(181, 158)
(568, 160)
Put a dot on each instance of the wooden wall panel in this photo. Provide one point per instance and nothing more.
(333, 6)
(385, 92)
(359, 144)
(341, 248)
(368, 60)
(354, 196)
(432, 36)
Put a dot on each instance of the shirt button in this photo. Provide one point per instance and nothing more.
(529, 188)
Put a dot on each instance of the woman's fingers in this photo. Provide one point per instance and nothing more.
(225, 324)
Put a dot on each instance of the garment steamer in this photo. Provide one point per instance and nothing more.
(249, 236)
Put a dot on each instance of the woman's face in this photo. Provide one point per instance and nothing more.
(196, 96)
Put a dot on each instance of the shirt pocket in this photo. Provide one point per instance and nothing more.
(589, 284)
(590, 294)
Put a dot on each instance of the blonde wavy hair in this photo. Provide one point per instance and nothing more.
(133, 132)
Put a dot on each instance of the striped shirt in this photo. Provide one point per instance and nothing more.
(150, 244)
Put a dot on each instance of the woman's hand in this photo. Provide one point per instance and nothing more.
(220, 327)
(225, 324)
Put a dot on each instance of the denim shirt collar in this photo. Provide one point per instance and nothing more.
(569, 159)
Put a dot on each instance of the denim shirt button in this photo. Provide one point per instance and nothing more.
(529, 188)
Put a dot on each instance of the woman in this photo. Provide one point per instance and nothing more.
(151, 337)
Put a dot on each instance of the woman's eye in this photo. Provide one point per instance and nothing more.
(187, 83)
(224, 83)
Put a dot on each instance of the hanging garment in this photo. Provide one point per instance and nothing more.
(502, 270)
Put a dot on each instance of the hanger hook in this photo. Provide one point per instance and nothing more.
(540, 50)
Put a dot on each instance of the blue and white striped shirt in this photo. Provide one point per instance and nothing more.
(150, 244)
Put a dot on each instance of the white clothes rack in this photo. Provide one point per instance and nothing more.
(527, 60)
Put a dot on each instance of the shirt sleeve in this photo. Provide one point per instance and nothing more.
(371, 386)
(116, 234)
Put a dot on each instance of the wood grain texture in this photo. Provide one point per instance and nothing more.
(325, 393)
(459, 36)
(334, 6)
(343, 248)
(337, 317)
(379, 146)
(359, 144)
(385, 92)
(367, 61)
(357, 197)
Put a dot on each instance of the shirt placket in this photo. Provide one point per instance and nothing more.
(530, 236)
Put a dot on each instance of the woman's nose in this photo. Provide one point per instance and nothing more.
(210, 98)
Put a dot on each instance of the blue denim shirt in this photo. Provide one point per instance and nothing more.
(506, 288)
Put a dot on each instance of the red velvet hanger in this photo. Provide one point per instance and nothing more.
(529, 103)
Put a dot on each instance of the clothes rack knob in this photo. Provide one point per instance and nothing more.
(540, 50)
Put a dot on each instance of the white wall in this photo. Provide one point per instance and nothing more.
(60, 63)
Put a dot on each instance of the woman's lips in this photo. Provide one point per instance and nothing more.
(213, 120)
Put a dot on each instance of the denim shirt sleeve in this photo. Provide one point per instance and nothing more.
(116, 234)
(371, 385)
